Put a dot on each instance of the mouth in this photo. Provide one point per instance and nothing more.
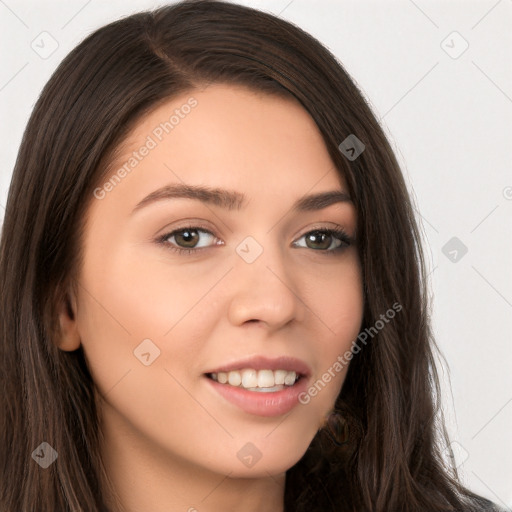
(261, 386)
(260, 381)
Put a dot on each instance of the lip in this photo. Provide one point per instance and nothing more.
(260, 403)
(266, 363)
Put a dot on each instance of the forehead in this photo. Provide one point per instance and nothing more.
(231, 136)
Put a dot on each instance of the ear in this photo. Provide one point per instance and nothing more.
(68, 337)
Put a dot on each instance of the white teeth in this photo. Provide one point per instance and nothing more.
(279, 376)
(289, 379)
(234, 378)
(265, 379)
(248, 378)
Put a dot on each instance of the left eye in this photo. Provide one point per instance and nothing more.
(187, 236)
(337, 236)
(186, 239)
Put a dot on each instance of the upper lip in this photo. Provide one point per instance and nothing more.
(265, 363)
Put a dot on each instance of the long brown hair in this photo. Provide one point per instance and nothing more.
(391, 460)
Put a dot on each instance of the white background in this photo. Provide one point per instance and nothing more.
(450, 122)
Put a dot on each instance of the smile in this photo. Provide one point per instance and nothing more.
(269, 401)
(257, 380)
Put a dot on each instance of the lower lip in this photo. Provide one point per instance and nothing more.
(262, 403)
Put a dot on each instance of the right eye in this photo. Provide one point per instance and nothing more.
(185, 239)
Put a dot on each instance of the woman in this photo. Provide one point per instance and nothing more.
(173, 338)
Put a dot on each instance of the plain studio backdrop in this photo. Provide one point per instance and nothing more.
(439, 78)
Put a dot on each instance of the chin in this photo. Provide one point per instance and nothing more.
(267, 456)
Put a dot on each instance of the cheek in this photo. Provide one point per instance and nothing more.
(130, 315)
(335, 297)
(141, 296)
(338, 303)
(142, 340)
(144, 326)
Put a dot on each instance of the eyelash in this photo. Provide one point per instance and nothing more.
(338, 233)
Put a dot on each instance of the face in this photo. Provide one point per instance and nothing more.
(179, 294)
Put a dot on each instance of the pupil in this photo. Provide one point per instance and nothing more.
(318, 234)
(190, 236)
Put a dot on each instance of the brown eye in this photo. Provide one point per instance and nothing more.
(323, 240)
(186, 239)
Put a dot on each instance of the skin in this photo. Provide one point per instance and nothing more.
(170, 440)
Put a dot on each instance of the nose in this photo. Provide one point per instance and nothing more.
(265, 292)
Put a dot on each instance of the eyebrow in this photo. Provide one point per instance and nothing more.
(232, 200)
